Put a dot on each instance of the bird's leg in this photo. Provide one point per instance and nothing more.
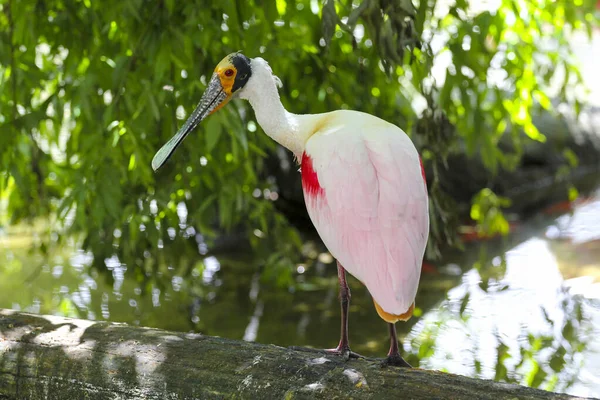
(394, 358)
(345, 296)
(343, 347)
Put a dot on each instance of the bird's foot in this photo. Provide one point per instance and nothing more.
(395, 360)
(343, 351)
(346, 353)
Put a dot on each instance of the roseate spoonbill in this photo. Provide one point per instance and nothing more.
(363, 183)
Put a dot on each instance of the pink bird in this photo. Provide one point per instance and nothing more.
(363, 183)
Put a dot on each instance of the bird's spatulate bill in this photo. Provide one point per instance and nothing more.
(213, 96)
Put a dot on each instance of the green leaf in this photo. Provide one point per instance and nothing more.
(213, 133)
(131, 166)
(170, 5)
(330, 20)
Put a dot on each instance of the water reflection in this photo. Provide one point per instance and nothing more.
(526, 315)
(524, 309)
(526, 327)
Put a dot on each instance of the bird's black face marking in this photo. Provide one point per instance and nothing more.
(244, 71)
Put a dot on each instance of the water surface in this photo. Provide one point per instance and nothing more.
(522, 309)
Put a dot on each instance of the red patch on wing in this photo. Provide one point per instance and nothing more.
(310, 180)
(423, 171)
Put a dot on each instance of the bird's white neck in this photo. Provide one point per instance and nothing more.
(281, 125)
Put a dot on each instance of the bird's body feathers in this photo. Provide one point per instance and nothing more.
(362, 180)
(365, 194)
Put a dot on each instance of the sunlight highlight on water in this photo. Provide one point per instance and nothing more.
(523, 310)
(528, 317)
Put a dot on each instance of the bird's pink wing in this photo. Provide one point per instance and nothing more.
(365, 193)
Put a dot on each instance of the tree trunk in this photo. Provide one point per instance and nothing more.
(48, 357)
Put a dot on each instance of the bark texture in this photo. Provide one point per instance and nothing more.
(48, 357)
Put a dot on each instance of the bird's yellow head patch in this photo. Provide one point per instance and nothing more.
(233, 72)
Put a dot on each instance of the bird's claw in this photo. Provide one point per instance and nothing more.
(344, 352)
(395, 360)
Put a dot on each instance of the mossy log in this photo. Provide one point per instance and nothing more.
(48, 357)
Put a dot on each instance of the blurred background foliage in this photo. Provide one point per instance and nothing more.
(89, 90)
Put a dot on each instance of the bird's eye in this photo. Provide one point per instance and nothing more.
(229, 72)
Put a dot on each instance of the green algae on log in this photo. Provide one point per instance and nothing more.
(49, 357)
